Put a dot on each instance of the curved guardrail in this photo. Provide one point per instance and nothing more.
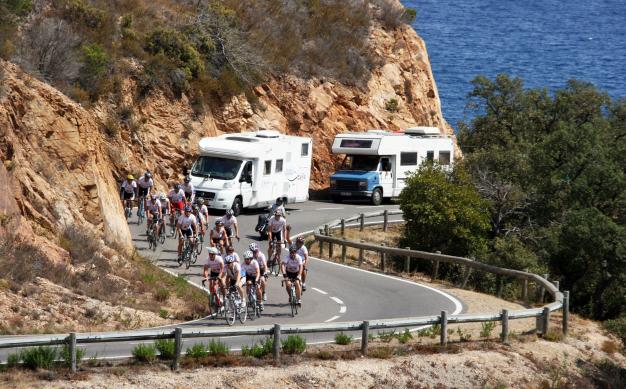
(322, 235)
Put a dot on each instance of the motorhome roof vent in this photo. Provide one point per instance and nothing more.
(241, 139)
(422, 130)
(267, 134)
(378, 132)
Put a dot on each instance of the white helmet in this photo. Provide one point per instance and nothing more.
(212, 250)
(248, 255)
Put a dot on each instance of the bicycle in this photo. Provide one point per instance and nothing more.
(141, 211)
(173, 220)
(187, 253)
(153, 238)
(199, 244)
(128, 208)
(215, 303)
(253, 306)
(273, 264)
(293, 302)
(234, 307)
(162, 232)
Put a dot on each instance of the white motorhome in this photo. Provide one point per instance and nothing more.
(252, 169)
(376, 162)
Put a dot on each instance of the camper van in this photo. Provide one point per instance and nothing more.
(376, 162)
(252, 170)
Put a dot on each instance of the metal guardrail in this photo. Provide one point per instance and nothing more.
(561, 301)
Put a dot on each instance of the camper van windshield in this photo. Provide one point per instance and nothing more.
(216, 167)
(366, 163)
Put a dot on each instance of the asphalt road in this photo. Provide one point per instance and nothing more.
(335, 292)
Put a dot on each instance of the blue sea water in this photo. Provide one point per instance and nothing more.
(544, 42)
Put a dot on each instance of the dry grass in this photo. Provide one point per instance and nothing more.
(610, 347)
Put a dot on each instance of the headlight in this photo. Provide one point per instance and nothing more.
(362, 184)
(228, 185)
(333, 183)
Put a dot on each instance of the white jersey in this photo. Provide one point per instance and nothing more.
(292, 265)
(236, 257)
(228, 221)
(303, 252)
(145, 184)
(176, 197)
(188, 188)
(251, 269)
(280, 208)
(185, 222)
(129, 187)
(216, 264)
(260, 258)
(277, 225)
(154, 206)
(204, 211)
(232, 273)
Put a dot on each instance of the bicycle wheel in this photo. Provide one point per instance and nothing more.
(294, 306)
(231, 311)
(214, 307)
(251, 304)
(242, 313)
(187, 257)
(162, 234)
(275, 267)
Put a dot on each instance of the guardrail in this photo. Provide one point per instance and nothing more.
(561, 301)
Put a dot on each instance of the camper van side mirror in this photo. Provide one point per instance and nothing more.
(386, 166)
(248, 179)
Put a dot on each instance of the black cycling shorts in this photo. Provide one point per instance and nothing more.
(229, 232)
(128, 196)
(143, 192)
(214, 275)
(251, 279)
(277, 236)
(292, 276)
(188, 232)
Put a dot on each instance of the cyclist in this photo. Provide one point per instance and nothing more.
(144, 186)
(233, 276)
(217, 235)
(230, 221)
(202, 221)
(277, 206)
(252, 271)
(165, 209)
(214, 263)
(177, 202)
(153, 212)
(204, 210)
(303, 252)
(291, 268)
(127, 191)
(260, 258)
(230, 250)
(187, 227)
(190, 192)
(276, 232)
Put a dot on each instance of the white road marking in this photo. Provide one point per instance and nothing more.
(329, 209)
(331, 319)
(335, 299)
(342, 309)
(369, 206)
(319, 291)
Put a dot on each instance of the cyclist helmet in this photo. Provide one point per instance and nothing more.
(299, 239)
(278, 213)
(253, 247)
(219, 222)
(230, 249)
(147, 174)
(212, 250)
(229, 259)
(200, 200)
(153, 196)
(293, 248)
(247, 255)
(187, 179)
(187, 208)
(177, 187)
(195, 208)
(130, 177)
(230, 212)
(163, 196)
(279, 200)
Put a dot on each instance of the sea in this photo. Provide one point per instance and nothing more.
(544, 42)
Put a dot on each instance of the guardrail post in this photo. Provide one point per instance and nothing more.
(344, 252)
(468, 272)
(276, 351)
(435, 268)
(542, 290)
(385, 220)
(443, 336)
(343, 227)
(361, 254)
(326, 230)
(505, 326)
(331, 250)
(365, 333)
(178, 347)
(545, 320)
(407, 262)
(565, 312)
(362, 220)
(321, 249)
(557, 285)
(525, 289)
(71, 345)
(383, 264)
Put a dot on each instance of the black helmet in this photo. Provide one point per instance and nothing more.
(279, 200)
(187, 179)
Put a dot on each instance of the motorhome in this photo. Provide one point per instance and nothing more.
(376, 163)
(252, 169)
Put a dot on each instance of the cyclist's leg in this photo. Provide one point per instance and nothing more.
(298, 289)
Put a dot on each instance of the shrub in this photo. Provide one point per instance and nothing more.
(341, 338)
(387, 336)
(166, 348)
(177, 47)
(111, 128)
(405, 336)
(95, 65)
(258, 350)
(294, 344)
(163, 313)
(41, 357)
(162, 294)
(144, 353)
(553, 336)
(617, 327)
(381, 352)
(198, 350)
(66, 357)
(392, 105)
(487, 328)
(13, 359)
(463, 336)
(218, 349)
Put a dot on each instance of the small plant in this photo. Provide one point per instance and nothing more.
(145, 353)
(163, 313)
(405, 336)
(166, 348)
(381, 352)
(218, 349)
(553, 336)
(343, 339)
(67, 358)
(198, 350)
(487, 329)
(463, 336)
(392, 105)
(13, 360)
(162, 294)
(258, 350)
(325, 355)
(41, 357)
(294, 344)
(387, 336)
(617, 327)
(431, 332)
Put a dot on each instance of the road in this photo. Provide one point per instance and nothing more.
(335, 292)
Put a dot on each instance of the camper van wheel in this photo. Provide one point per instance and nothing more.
(377, 196)
(237, 206)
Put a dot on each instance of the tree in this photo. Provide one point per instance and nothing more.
(444, 211)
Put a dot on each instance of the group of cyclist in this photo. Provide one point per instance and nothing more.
(190, 216)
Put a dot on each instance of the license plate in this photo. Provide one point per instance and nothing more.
(346, 194)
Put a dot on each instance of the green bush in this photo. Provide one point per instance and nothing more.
(41, 357)
(617, 327)
(387, 336)
(392, 105)
(341, 338)
(82, 13)
(409, 15)
(176, 46)
(405, 336)
(166, 348)
(66, 357)
(487, 328)
(163, 313)
(145, 353)
(294, 344)
(218, 349)
(13, 360)
(198, 350)
(162, 294)
(95, 65)
(258, 350)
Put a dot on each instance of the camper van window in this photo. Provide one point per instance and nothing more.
(268, 168)
(356, 143)
(366, 163)
(279, 166)
(408, 159)
(305, 150)
(216, 167)
(430, 156)
(444, 157)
